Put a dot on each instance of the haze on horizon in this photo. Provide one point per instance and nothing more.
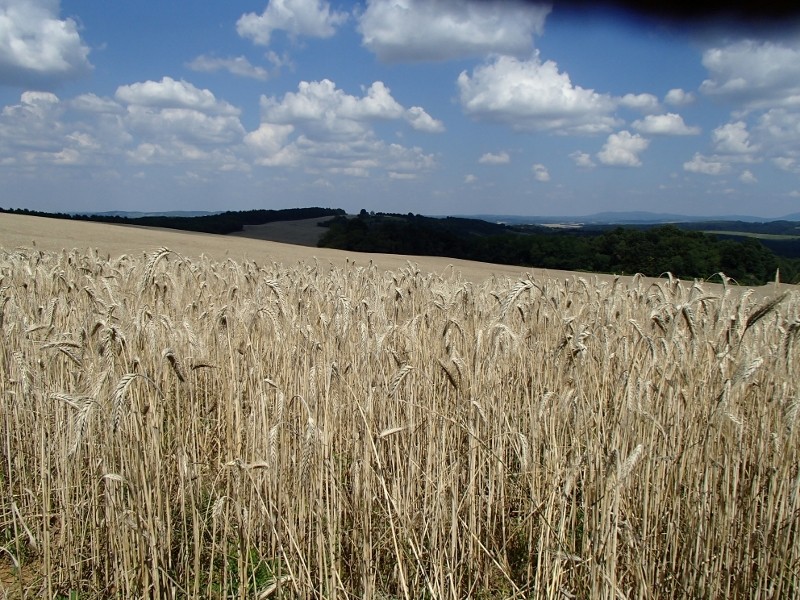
(445, 107)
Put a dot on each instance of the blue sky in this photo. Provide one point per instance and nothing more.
(433, 107)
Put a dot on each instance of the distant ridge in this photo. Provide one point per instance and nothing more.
(128, 214)
(631, 217)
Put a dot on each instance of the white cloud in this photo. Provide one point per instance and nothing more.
(678, 97)
(38, 48)
(759, 74)
(501, 158)
(706, 165)
(540, 173)
(748, 177)
(532, 95)
(780, 128)
(325, 130)
(169, 93)
(178, 152)
(668, 124)
(175, 122)
(325, 112)
(402, 176)
(189, 125)
(732, 138)
(622, 149)
(31, 127)
(787, 163)
(643, 102)
(238, 65)
(311, 18)
(470, 178)
(268, 143)
(762, 80)
(732, 145)
(92, 103)
(39, 99)
(421, 30)
(422, 121)
(582, 159)
(42, 130)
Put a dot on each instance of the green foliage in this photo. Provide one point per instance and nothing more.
(625, 250)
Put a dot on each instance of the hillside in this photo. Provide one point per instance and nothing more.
(115, 240)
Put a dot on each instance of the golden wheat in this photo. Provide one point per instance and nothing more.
(201, 429)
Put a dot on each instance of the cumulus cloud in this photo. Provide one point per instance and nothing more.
(169, 93)
(759, 74)
(322, 128)
(421, 30)
(311, 18)
(32, 126)
(533, 95)
(470, 178)
(762, 79)
(93, 103)
(643, 102)
(191, 126)
(748, 177)
(269, 145)
(501, 158)
(678, 97)
(780, 128)
(422, 121)
(668, 124)
(732, 145)
(180, 152)
(582, 159)
(42, 130)
(787, 163)
(39, 101)
(188, 125)
(238, 65)
(38, 48)
(706, 165)
(732, 138)
(540, 173)
(622, 149)
(174, 121)
(327, 112)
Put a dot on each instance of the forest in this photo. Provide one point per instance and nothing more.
(651, 251)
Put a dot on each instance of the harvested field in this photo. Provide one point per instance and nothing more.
(226, 418)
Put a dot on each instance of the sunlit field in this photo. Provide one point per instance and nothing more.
(176, 427)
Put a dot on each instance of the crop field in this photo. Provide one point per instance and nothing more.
(192, 427)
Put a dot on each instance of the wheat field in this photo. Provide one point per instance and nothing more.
(178, 426)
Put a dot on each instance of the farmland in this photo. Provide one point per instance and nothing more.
(188, 417)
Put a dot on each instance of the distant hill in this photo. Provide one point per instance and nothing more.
(219, 223)
(626, 218)
(127, 214)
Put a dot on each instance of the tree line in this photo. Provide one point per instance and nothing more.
(220, 223)
(623, 250)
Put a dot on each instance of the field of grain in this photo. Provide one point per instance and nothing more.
(194, 427)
